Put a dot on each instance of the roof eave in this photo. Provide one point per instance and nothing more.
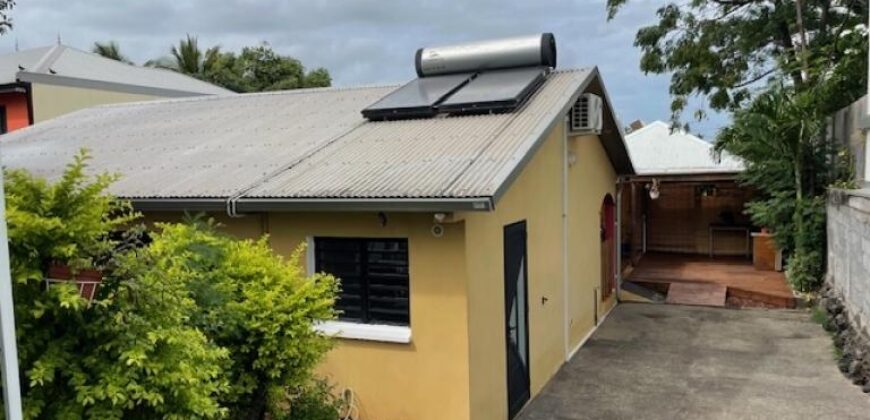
(265, 205)
(621, 164)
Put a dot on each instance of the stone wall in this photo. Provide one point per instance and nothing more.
(849, 252)
(846, 295)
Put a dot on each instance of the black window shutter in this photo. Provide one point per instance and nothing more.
(374, 276)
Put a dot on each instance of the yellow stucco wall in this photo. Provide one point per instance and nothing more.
(536, 197)
(426, 379)
(50, 101)
(590, 178)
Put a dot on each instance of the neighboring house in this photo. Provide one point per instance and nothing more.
(476, 252)
(698, 205)
(42, 83)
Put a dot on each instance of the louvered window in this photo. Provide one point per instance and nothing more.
(373, 274)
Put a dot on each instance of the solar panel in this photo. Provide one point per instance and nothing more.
(416, 99)
(495, 91)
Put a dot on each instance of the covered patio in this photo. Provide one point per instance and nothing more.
(685, 235)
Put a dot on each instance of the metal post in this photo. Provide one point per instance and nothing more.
(11, 387)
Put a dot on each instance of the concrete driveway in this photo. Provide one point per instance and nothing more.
(681, 362)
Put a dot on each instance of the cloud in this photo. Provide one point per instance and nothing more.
(362, 41)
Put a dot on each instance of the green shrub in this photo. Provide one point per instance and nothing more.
(129, 354)
(315, 401)
(257, 305)
(194, 325)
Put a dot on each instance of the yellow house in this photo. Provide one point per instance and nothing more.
(476, 251)
(41, 83)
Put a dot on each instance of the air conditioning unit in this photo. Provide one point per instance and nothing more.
(586, 115)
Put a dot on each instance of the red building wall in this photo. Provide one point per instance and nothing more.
(17, 111)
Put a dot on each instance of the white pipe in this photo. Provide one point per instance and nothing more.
(618, 240)
(565, 283)
(8, 346)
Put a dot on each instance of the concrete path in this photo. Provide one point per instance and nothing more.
(681, 362)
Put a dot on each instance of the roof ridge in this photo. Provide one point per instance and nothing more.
(50, 57)
(243, 95)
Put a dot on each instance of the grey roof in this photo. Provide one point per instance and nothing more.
(303, 146)
(60, 64)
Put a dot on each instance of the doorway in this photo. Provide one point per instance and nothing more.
(516, 316)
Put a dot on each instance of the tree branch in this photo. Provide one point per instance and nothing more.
(754, 79)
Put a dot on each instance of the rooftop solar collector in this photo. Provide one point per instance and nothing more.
(495, 91)
(417, 98)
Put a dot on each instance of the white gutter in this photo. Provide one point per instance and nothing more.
(8, 346)
(565, 283)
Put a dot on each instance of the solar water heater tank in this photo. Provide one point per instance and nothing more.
(523, 51)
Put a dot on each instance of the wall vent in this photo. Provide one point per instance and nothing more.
(586, 115)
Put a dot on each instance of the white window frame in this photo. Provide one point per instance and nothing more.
(355, 330)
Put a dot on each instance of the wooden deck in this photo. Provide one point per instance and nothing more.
(745, 285)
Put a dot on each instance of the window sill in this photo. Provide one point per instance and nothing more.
(367, 332)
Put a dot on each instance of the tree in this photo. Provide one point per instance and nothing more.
(130, 353)
(255, 69)
(6, 6)
(261, 69)
(781, 136)
(723, 49)
(188, 57)
(110, 50)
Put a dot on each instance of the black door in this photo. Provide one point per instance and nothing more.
(516, 316)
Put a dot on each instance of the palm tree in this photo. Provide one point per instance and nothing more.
(110, 50)
(188, 57)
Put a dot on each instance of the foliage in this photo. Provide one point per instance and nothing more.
(255, 69)
(188, 57)
(5, 21)
(110, 50)
(130, 353)
(781, 136)
(721, 49)
(314, 401)
(255, 304)
(806, 266)
(192, 325)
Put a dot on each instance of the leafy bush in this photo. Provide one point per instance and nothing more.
(194, 325)
(315, 401)
(130, 353)
(255, 304)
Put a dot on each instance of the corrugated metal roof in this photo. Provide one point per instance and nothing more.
(304, 144)
(656, 150)
(213, 146)
(63, 62)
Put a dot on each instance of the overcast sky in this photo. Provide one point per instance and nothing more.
(362, 41)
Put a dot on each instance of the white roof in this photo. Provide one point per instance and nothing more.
(655, 150)
(60, 64)
(298, 145)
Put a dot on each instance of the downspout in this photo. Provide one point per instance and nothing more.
(565, 283)
(618, 239)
